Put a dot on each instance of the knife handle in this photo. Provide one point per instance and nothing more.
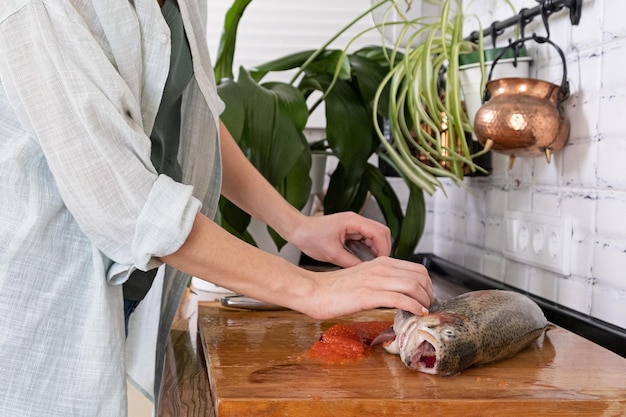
(359, 249)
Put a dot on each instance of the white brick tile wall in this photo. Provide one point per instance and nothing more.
(609, 305)
(581, 206)
(493, 266)
(548, 173)
(611, 112)
(474, 259)
(544, 283)
(587, 32)
(609, 263)
(516, 274)
(612, 156)
(496, 201)
(612, 60)
(521, 198)
(547, 201)
(586, 181)
(579, 164)
(613, 19)
(611, 213)
(475, 229)
(494, 235)
(574, 293)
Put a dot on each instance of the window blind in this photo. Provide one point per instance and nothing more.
(270, 29)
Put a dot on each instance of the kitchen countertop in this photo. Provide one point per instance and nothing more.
(186, 386)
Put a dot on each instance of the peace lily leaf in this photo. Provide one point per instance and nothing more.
(274, 119)
(292, 187)
(285, 63)
(386, 198)
(327, 61)
(412, 224)
(344, 193)
(348, 127)
(368, 76)
(230, 92)
(331, 62)
(235, 220)
(224, 64)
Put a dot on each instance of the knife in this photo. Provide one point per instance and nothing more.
(249, 303)
(359, 249)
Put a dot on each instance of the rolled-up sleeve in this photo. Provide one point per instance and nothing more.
(83, 108)
(162, 228)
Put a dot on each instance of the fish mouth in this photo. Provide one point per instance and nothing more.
(424, 357)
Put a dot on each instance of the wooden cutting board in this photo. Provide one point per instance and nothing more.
(256, 369)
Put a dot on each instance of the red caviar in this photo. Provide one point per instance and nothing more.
(346, 341)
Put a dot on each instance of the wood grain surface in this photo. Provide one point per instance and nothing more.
(255, 368)
(185, 385)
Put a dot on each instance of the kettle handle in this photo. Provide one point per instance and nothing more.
(564, 90)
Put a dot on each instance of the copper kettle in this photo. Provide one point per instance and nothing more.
(523, 117)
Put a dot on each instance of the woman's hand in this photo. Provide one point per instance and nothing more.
(213, 254)
(323, 237)
(382, 282)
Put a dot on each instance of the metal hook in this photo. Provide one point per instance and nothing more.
(546, 11)
(495, 32)
(523, 21)
(575, 10)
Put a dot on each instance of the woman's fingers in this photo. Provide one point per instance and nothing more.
(382, 282)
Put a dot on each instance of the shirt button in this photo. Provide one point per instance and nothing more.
(164, 38)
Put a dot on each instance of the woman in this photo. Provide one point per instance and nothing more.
(112, 160)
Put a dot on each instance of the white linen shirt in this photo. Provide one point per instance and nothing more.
(81, 205)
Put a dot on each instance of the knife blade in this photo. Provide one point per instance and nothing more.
(249, 303)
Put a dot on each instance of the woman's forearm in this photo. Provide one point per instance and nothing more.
(213, 254)
(247, 188)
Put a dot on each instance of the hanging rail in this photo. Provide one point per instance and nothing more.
(525, 16)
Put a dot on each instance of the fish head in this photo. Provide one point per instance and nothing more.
(440, 343)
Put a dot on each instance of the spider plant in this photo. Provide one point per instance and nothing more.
(426, 114)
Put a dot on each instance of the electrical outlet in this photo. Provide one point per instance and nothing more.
(539, 240)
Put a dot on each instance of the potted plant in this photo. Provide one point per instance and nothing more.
(348, 83)
(427, 119)
(414, 88)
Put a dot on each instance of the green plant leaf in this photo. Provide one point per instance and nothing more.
(386, 199)
(295, 188)
(275, 115)
(235, 220)
(267, 122)
(349, 127)
(226, 51)
(413, 223)
(368, 75)
(344, 193)
(284, 63)
(230, 92)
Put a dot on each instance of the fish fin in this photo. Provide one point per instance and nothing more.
(386, 335)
